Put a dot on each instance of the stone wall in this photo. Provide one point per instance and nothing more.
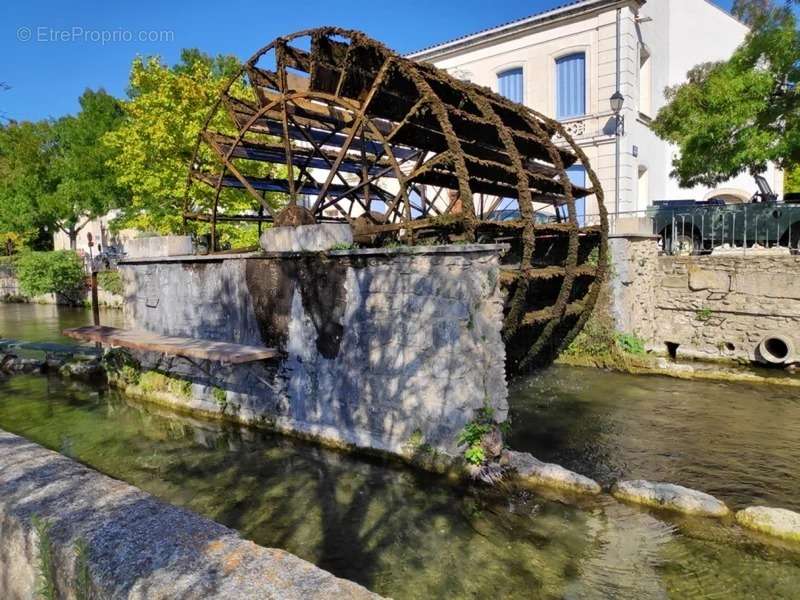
(388, 349)
(9, 285)
(107, 539)
(708, 307)
(723, 306)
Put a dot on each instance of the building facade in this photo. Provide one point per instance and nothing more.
(569, 61)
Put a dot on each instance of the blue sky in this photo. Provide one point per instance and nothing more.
(47, 73)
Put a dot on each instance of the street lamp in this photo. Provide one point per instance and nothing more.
(617, 100)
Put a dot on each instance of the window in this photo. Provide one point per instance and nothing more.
(577, 176)
(571, 86)
(509, 84)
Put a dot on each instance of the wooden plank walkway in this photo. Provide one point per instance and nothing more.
(177, 346)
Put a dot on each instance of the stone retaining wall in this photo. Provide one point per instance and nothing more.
(711, 307)
(101, 538)
(388, 349)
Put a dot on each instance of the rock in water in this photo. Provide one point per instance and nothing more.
(533, 470)
(779, 522)
(670, 497)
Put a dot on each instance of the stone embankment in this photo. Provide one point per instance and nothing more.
(79, 534)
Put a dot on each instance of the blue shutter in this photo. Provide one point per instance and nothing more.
(571, 86)
(577, 176)
(509, 84)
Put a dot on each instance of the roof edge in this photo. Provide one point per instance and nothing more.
(562, 11)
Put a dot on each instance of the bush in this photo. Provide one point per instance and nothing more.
(59, 272)
(110, 281)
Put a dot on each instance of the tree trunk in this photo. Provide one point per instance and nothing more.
(73, 238)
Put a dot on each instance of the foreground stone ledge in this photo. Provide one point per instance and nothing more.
(532, 470)
(669, 496)
(778, 522)
(136, 546)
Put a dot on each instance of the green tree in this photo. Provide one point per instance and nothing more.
(166, 111)
(26, 152)
(86, 188)
(752, 11)
(741, 114)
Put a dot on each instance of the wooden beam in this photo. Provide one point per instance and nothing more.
(139, 339)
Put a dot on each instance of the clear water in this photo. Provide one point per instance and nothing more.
(44, 322)
(740, 442)
(410, 535)
(400, 532)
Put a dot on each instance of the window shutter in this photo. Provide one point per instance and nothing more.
(509, 84)
(571, 86)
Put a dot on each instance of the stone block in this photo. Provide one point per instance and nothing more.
(705, 279)
(306, 238)
(674, 281)
(156, 246)
(771, 285)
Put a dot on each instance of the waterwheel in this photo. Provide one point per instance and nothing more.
(330, 125)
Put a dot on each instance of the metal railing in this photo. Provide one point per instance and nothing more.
(685, 230)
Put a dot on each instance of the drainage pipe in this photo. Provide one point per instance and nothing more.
(776, 349)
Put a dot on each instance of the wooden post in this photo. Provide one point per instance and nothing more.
(95, 301)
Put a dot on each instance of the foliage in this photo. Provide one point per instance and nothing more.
(596, 340)
(82, 577)
(220, 396)
(791, 180)
(59, 272)
(741, 114)
(111, 281)
(53, 174)
(153, 381)
(121, 366)
(704, 314)
(85, 187)
(164, 116)
(473, 433)
(630, 343)
(45, 578)
(10, 242)
(26, 153)
(344, 246)
(751, 11)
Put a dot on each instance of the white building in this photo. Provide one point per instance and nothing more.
(103, 237)
(567, 63)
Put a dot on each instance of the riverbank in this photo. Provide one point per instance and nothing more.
(69, 531)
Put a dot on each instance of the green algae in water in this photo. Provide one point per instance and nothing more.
(400, 532)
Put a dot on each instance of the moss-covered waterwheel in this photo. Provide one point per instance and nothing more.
(347, 130)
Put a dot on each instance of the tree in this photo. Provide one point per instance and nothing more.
(26, 180)
(164, 116)
(86, 188)
(751, 12)
(741, 114)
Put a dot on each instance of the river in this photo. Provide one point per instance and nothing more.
(410, 535)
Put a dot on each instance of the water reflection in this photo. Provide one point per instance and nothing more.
(738, 441)
(44, 322)
(400, 532)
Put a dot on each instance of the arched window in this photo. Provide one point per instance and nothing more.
(571, 86)
(510, 85)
